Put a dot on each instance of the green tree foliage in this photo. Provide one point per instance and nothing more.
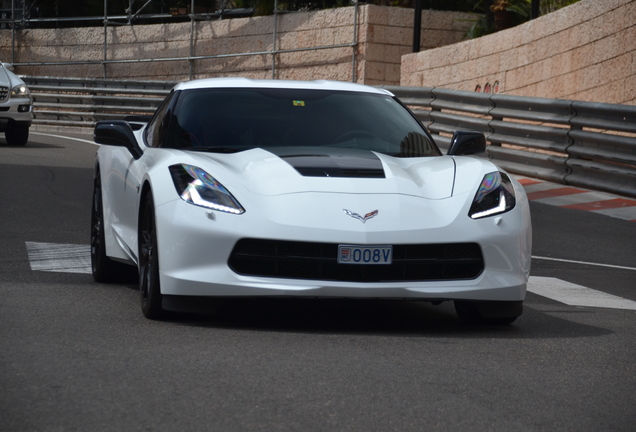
(548, 6)
(518, 11)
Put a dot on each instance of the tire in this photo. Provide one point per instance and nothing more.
(103, 268)
(149, 285)
(17, 136)
(488, 312)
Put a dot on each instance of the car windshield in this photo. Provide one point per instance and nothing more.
(229, 120)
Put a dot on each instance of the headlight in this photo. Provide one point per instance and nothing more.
(197, 187)
(21, 90)
(494, 196)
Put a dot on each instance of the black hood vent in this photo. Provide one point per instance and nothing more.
(331, 162)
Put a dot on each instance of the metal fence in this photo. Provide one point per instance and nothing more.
(577, 143)
(190, 57)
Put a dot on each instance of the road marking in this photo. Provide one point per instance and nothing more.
(552, 193)
(583, 263)
(66, 137)
(576, 295)
(602, 205)
(61, 258)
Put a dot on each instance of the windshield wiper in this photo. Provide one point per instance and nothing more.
(214, 149)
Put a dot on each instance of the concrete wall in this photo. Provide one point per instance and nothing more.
(384, 34)
(586, 51)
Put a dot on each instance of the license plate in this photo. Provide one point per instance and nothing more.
(351, 254)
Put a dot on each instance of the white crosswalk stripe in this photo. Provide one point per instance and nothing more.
(576, 295)
(62, 258)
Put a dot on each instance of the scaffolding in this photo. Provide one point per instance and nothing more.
(18, 17)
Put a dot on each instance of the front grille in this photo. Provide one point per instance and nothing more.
(4, 93)
(318, 261)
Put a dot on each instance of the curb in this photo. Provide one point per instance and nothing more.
(578, 198)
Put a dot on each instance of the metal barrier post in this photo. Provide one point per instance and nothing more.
(105, 36)
(354, 43)
(274, 42)
(12, 31)
(191, 39)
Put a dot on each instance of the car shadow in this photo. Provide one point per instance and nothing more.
(376, 317)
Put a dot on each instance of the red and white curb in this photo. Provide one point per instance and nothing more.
(579, 198)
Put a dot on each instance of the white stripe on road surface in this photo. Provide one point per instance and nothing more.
(583, 263)
(70, 258)
(576, 295)
(62, 258)
(66, 137)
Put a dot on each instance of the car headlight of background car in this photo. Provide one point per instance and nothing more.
(197, 187)
(494, 196)
(20, 91)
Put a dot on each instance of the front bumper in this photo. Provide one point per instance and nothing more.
(16, 112)
(195, 244)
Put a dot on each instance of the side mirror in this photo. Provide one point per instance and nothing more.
(117, 133)
(467, 143)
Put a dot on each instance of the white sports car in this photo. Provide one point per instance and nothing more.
(238, 187)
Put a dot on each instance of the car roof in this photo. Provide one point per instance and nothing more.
(239, 82)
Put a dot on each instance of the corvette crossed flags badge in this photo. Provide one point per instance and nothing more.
(362, 219)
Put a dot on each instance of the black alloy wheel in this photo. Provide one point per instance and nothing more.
(103, 268)
(149, 287)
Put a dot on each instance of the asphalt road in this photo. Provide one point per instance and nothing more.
(79, 356)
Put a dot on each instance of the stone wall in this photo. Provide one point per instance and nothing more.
(387, 35)
(586, 51)
(384, 34)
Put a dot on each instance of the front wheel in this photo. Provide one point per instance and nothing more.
(17, 136)
(103, 268)
(149, 287)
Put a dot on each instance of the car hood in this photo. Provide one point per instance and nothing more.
(4, 77)
(334, 170)
(8, 78)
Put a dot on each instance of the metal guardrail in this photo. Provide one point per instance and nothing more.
(577, 143)
(571, 142)
(82, 102)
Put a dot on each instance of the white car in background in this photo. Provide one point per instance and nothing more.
(16, 114)
(244, 188)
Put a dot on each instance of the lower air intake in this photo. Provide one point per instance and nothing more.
(318, 261)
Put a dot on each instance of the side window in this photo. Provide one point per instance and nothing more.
(158, 124)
